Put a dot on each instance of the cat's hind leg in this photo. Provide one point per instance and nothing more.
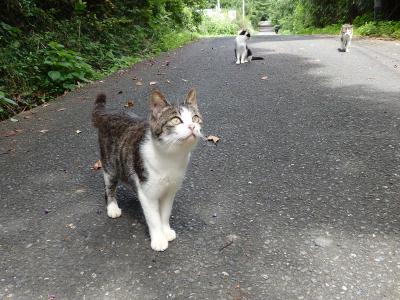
(111, 182)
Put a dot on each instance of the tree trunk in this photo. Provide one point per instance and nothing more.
(378, 9)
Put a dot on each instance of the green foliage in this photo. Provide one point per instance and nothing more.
(388, 29)
(211, 26)
(47, 47)
(5, 102)
(64, 69)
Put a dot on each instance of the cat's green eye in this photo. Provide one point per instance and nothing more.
(196, 119)
(175, 121)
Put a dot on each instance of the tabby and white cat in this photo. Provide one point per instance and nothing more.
(149, 155)
(346, 34)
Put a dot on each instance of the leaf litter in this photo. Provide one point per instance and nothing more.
(213, 138)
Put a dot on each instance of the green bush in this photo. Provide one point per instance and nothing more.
(388, 29)
(211, 26)
(64, 69)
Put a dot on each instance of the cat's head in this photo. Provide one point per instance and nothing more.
(245, 32)
(347, 29)
(175, 125)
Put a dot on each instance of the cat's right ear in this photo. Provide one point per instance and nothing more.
(157, 103)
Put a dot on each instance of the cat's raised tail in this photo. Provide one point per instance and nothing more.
(99, 110)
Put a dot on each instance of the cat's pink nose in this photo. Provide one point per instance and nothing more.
(192, 127)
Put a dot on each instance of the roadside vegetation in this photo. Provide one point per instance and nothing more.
(327, 16)
(49, 47)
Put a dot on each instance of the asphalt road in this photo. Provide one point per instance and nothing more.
(298, 200)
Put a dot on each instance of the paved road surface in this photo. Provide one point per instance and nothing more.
(305, 181)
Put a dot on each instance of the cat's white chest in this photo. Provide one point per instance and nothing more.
(163, 172)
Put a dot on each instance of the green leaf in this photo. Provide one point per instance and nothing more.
(54, 75)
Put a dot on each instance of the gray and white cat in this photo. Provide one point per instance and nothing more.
(242, 52)
(150, 156)
(346, 34)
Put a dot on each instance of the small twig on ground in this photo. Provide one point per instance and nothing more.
(225, 246)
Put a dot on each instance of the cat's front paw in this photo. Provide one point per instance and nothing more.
(159, 243)
(170, 234)
(113, 211)
(238, 62)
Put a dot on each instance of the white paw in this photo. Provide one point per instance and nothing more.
(113, 211)
(245, 61)
(170, 234)
(159, 243)
(238, 62)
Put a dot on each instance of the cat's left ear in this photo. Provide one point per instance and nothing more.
(191, 98)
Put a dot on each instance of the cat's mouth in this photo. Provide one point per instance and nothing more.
(190, 137)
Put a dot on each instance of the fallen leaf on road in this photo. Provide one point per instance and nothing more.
(168, 81)
(19, 130)
(130, 103)
(45, 105)
(135, 78)
(153, 82)
(43, 130)
(185, 80)
(8, 133)
(139, 83)
(167, 63)
(97, 165)
(61, 109)
(264, 78)
(213, 138)
(78, 131)
(72, 226)
(161, 73)
(81, 190)
(14, 120)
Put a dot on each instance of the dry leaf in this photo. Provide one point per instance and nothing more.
(43, 130)
(8, 133)
(14, 120)
(97, 166)
(72, 226)
(139, 83)
(135, 78)
(168, 81)
(80, 191)
(185, 80)
(78, 131)
(153, 82)
(61, 109)
(19, 130)
(130, 103)
(213, 138)
(264, 78)
(45, 105)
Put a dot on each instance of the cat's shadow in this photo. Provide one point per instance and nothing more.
(129, 203)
